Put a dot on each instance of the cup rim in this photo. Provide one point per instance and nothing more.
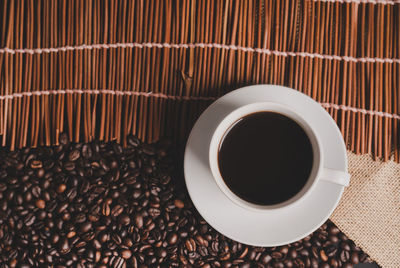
(225, 125)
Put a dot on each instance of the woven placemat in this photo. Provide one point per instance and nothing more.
(104, 69)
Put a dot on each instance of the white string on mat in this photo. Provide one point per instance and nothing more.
(199, 45)
(105, 91)
(359, 110)
(172, 97)
(374, 2)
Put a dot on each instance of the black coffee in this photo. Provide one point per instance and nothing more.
(265, 158)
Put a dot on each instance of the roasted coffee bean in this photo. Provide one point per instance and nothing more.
(36, 164)
(344, 256)
(292, 254)
(80, 218)
(64, 140)
(85, 227)
(154, 212)
(333, 230)
(251, 255)
(345, 246)
(304, 252)
(324, 265)
(74, 155)
(179, 204)
(126, 254)
(276, 255)
(333, 238)
(323, 255)
(40, 203)
(265, 258)
(62, 207)
(288, 263)
(63, 245)
(69, 166)
(333, 263)
(102, 205)
(314, 263)
(40, 173)
(172, 238)
(124, 219)
(116, 211)
(354, 258)
(61, 188)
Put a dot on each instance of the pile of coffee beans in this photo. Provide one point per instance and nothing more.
(98, 204)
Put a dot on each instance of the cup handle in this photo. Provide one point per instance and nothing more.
(335, 176)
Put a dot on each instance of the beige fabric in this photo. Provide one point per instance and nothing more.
(369, 211)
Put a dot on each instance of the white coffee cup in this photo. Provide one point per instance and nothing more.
(318, 171)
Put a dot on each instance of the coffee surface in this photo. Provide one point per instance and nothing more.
(265, 158)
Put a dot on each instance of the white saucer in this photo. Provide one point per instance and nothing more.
(271, 228)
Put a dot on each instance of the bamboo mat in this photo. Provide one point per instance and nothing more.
(103, 69)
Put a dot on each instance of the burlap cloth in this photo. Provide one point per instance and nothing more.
(369, 211)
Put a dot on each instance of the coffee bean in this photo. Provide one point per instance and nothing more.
(154, 212)
(343, 237)
(86, 151)
(29, 219)
(304, 252)
(85, 227)
(138, 219)
(344, 256)
(251, 255)
(74, 155)
(265, 258)
(40, 173)
(178, 203)
(323, 255)
(62, 207)
(288, 263)
(284, 250)
(124, 219)
(345, 246)
(276, 255)
(116, 211)
(172, 238)
(40, 203)
(105, 209)
(333, 239)
(333, 263)
(314, 263)
(69, 166)
(333, 230)
(292, 254)
(363, 257)
(63, 245)
(63, 139)
(61, 188)
(70, 234)
(299, 263)
(99, 204)
(354, 258)
(190, 244)
(36, 164)
(126, 254)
